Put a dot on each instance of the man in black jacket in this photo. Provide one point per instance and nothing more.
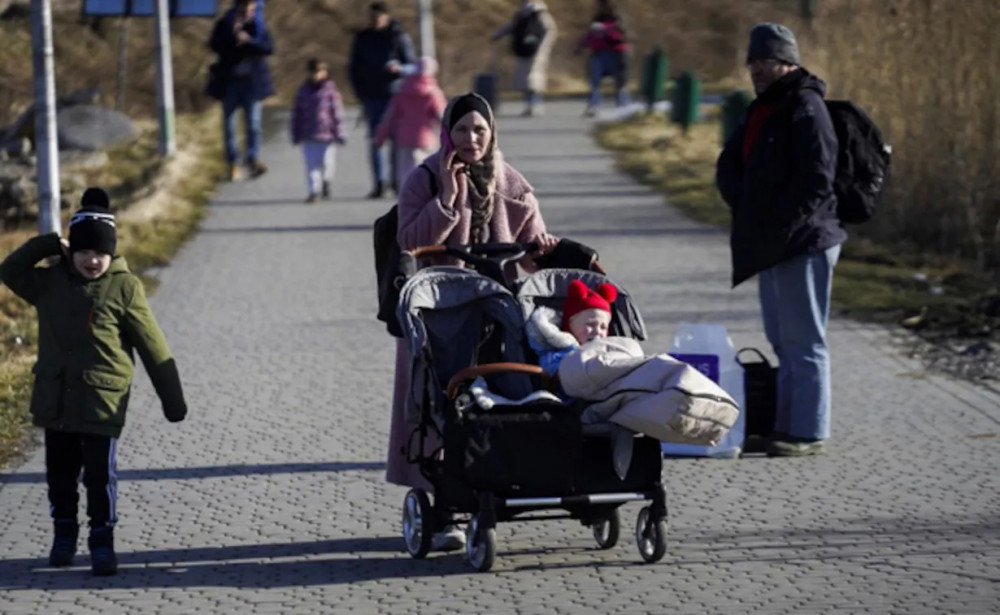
(379, 55)
(776, 173)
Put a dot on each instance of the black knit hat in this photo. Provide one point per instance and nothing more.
(771, 41)
(93, 227)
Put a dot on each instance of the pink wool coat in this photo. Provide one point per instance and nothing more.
(414, 115)
(423, 221)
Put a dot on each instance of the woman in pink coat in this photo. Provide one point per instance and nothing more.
(475, 197)
(413, 119)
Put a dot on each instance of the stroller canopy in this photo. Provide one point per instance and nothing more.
(549, 287)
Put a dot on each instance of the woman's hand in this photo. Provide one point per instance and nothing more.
(546, 243)
(449, 168)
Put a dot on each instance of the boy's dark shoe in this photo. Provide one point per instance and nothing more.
(64, 544)
(311, 198)
(326, 189)
(786, 446)
(377, 192)
(257, 168)
(103, 561)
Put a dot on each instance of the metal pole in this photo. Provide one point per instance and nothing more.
(46, 139)
(123, 28)
(164, 79)
(426, 28)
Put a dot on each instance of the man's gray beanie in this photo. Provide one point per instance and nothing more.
(771, 41)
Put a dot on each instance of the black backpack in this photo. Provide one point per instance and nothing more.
(527, 35)
(387, 253)
(862, 162)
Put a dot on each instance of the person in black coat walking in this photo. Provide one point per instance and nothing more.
(241, 79)
(380, 54)
(776, 173)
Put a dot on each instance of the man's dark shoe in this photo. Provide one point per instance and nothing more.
(103, 561)
(257, 168)
(377, 192)
(326, 189)
(795, 447)
(311, 199)
(64, 545)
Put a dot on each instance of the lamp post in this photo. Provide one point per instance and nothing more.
(164, 79)
(46, 138)
(426, 13)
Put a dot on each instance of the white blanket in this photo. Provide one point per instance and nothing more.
(658, 396)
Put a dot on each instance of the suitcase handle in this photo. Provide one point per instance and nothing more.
(755, 351)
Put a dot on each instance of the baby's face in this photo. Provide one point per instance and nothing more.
(91, 264)
(589, 325)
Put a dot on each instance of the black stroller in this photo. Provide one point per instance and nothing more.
(516, 460)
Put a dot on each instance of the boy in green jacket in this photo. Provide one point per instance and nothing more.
(92, 313)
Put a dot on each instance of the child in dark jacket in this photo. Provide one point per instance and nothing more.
(92, 313)
(317, 121)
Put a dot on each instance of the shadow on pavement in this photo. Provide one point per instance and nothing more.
(216, 471)
(265, 201)
(320, 228)
(902, 543)
(329, 562)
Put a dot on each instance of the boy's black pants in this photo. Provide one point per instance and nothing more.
(66, 454)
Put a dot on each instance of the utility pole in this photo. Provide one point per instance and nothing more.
(123, 27)
(46, 139)
(426, 28)
(164, 79)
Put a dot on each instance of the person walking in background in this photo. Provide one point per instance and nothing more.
(241, 79)
(608, 54)
(378, 54)
(776, 173)
(414, 118)
(533, 34)
(317, 124)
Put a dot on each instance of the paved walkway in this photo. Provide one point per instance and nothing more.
(270, 498)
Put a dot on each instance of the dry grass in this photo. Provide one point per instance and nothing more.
(707, 39)
(159, 208)
(929, 72)
(657, 153)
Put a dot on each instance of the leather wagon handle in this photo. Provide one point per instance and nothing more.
(490, 369)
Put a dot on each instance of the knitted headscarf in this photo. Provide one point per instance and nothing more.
(482, 175)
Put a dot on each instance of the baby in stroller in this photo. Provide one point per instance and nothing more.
(658, 396)
(586, 316)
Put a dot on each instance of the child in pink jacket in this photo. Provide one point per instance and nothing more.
(414, 118)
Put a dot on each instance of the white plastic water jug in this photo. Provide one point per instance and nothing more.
(707, 347)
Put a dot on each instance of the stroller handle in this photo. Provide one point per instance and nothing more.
(491, 369)
(488, 258)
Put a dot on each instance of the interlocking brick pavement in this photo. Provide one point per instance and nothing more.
(270, 498)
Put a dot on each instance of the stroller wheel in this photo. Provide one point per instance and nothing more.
(480, 545)
(417, 525)
(650, 536)
(606, 532)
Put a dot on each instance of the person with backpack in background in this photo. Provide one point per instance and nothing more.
(533, 34)
(608, 54)
(378, 56)
(776, 174)
(241, 79)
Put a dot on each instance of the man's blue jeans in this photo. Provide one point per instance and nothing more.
(607, 64)
(239, 95)
(795, 304)
(375, 109)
